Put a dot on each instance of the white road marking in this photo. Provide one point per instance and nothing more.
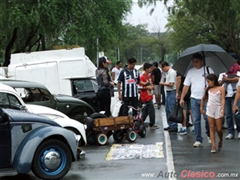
(170, 163)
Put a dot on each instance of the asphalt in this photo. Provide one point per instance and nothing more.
(180, 159)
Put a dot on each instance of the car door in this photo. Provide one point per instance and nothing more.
(85, 89)
(5, 142)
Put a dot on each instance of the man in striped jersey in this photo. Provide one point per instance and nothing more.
(129, 78)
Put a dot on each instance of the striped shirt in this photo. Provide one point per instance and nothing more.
(129, 79)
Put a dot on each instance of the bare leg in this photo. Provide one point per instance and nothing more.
(157, 97)
(219, 131)
(212, 126)
(184, 123)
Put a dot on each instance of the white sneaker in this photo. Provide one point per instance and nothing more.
(229, 136)
(197, 144)
(239, 135)
(209, 140)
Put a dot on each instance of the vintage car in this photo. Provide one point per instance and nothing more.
(86, 89)
(9, 98)
(35, 93)
(32, 142)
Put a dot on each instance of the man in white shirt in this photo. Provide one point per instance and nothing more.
(196, 78)
(116, 71)
(230, 80)
(163, 79)
(170, 88)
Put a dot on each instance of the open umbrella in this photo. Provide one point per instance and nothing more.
(215, 57)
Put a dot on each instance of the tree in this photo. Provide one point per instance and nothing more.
(40, 24)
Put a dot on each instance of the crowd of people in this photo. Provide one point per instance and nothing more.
(200, 92)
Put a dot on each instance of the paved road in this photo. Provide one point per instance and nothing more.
(180, 161)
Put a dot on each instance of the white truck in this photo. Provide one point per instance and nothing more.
(64, 71)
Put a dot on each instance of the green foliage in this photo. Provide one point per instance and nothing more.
(216, 22)
(43, 24)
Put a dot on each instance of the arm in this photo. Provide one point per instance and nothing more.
(119, 90)
(202, 103)
(229, 80)
(178, 83)
(105, 79)
(171, 84)
(153, 76)
(223, 100)
(113, 75)
(184, 92)
(235, 108)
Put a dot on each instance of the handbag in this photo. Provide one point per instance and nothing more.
(176, 114)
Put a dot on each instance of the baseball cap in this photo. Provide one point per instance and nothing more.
(104, 59)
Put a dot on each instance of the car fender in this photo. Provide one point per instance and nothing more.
(72, 123)
(23, 158)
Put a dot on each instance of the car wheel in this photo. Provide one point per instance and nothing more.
(118, 136)
(131, 136)
(91, 138)
(102, 139)
(142, 131)
(52, 160)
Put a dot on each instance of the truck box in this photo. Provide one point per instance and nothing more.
(52, 68)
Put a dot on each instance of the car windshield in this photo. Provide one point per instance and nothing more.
(85, 85)
(33, 94)
(9, 101)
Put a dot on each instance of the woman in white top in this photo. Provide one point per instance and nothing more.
(215, 97)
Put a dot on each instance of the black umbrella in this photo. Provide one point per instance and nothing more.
(215, 57)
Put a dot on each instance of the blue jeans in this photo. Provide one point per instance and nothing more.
(170, 102)
(149, 110)
(229, 115)
(195, 106)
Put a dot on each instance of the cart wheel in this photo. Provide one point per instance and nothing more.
(131, 135)
(91, 138)
(109, 133)
(142, 131)
(118, 135)
(102, 139)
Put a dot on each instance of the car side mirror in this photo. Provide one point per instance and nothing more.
(24, 108)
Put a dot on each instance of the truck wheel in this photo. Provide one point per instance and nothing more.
(142, 131)
(52, 160)
(102, 139)
(91, 138)
(131, 135)
(118, 136)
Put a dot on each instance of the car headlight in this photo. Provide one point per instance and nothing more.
(85, 126)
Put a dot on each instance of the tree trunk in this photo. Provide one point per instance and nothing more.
(9, 47)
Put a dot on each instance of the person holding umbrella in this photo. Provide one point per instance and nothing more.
(196, 79)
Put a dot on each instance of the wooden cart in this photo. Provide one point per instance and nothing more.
(120, 126)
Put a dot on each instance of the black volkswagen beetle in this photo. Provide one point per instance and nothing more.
(33, 142)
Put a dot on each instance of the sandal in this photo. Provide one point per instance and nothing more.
(219, 145)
